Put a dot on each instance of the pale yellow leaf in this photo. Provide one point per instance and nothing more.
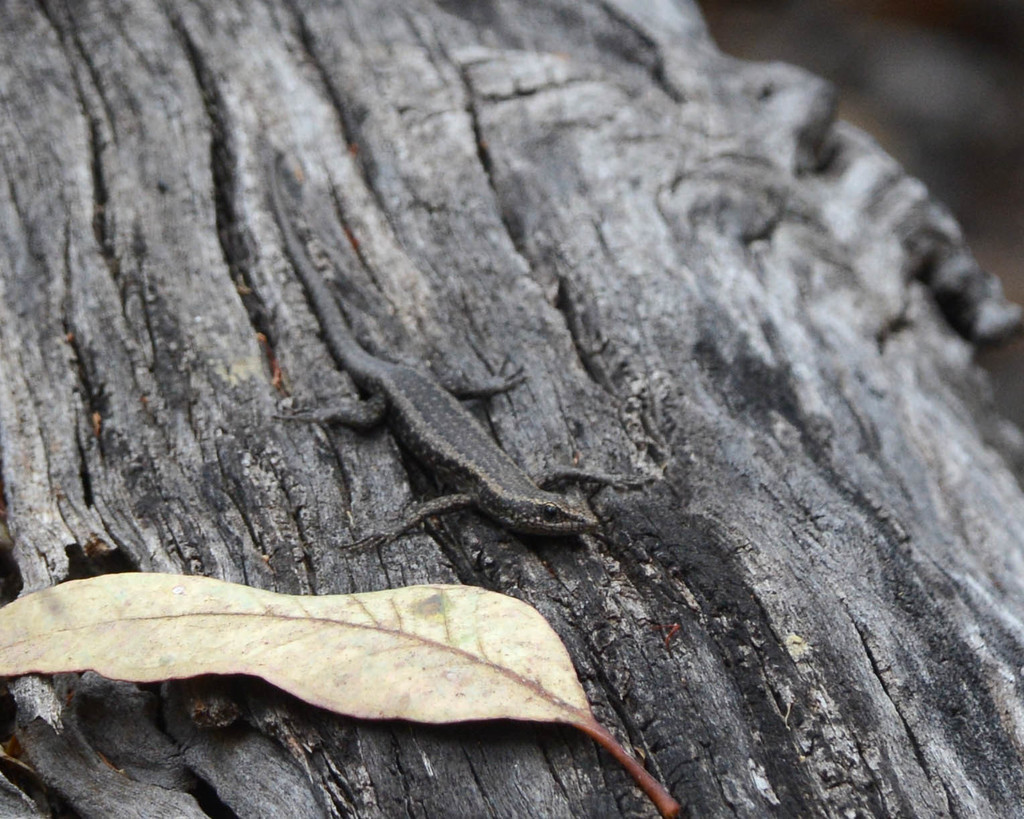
(424, 653)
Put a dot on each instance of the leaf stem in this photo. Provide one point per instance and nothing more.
(656, 792)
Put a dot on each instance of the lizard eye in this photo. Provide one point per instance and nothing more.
(550, 512)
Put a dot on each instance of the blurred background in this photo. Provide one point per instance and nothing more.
(940, 84)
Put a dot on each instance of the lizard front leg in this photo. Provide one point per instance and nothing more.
(574, 474)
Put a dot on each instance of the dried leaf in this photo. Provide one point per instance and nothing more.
(434, 654)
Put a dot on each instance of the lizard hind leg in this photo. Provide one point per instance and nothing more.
(413, 516)
(355, 414)
(462, 388)
(466, 388)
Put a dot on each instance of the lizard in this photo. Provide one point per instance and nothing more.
(424, 416)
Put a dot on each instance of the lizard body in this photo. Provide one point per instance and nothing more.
(425, 417)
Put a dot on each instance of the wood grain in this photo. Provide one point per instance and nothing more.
(700, 271)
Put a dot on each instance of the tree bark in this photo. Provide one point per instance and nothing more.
(816, 608)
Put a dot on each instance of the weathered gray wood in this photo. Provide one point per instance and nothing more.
(15, 804)
(699, 271)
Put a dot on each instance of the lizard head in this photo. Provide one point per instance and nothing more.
(543, 513)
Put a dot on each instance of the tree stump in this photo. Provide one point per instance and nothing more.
(814, 609)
